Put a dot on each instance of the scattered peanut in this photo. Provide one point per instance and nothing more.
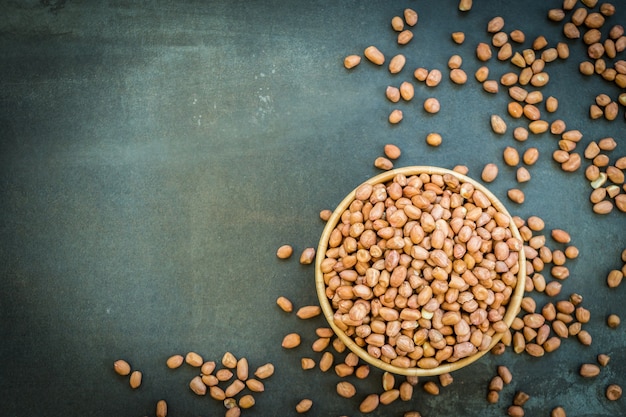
(161, 408)
(284, 252)
(304, 405)
(374, 55)
(351, 61)
(431, 105)
(613, 392)
(135, 379)
(121, 367)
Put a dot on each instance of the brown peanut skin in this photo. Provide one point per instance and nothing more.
(374, 55)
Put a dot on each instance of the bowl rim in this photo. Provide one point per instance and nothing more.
(513, 307)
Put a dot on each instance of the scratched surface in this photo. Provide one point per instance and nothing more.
(153, 156)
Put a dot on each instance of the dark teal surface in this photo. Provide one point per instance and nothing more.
(154, 155)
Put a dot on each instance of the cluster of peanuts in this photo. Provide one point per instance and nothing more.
(534, 331)
(599, 49)
(419, 270)
(525, 103)
(606, 179)
(233, 396)
(406, 90)
(333, 354)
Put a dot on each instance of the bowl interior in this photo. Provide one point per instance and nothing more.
(513, 307)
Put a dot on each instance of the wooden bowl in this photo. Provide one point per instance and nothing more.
(512, 308)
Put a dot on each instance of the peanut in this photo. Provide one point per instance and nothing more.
(161, 408)
(392, 94)
(465, 5)
(603, 359)
(242, 369)
(556, 15)
(197, 386)
(304, 405)
(495, 25)
(307, 256)
(491, 86)
(458, 76)
(613, 392)
(308, 312)
(489, 173)
(326, 362)
(351, 61)
(515, 411)
(433, 78)
(291, 341)
(264, 371)
(614, 278)
(552, 344)
(397, 63)
(233, 412)
(571, 31)
(498, 125)
(369, 404)
(307, 363)
(346, 389)
(589, 370)
(522, 175)
(325, 214)
(407, 91)
(175, 361)
(520, 398)
(374, 55)
(431, 388)
(613, 321)
(431, 105)
(493, 397)
(207, 368)
(392, 151)
(552, 104)
(284, 252)
(247, 401)
(434, 139)
(194, 359)
(234, 388)
(229, 360)
(121, 367)
(483, 51)
(458, 37)
(224, 374)
(410, 17)
(603, 207)
(395, 116)
(517, 36)
(255, 385)
(496, 384)
(520, 133)
(584, 337)
(405, 37)
(397, 23)
(481, 74)
(284, 304)
(516, 195)
(420, 74)
(383, 163)
(135, 379)
(594, 20)
(510, 156)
